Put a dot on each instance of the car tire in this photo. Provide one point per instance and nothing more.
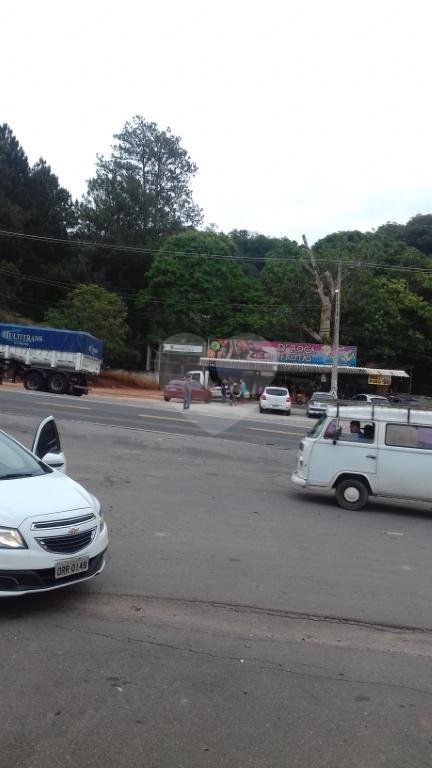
(58, 384)
(167, 399)
(33, 381)
(352, 494)
(287, 413)
(261, 409)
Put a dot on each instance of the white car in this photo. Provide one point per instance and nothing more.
(370, 398)
(52, 531)
(275, 399)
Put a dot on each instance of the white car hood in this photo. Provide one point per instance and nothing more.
(42, 495)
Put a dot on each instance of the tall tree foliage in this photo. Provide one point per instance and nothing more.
(33, 202)
(144, 189)
(196, 285)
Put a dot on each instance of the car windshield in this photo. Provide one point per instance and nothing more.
(276, 391)
(316, 429)
(15, 462)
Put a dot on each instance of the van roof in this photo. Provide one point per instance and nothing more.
(375, 412)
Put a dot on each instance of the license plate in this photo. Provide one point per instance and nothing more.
(70, 567)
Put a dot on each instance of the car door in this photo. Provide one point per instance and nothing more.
(47, 445)
(332, 458)
(405, 461)
(197, 391)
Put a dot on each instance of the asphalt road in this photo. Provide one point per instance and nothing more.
(242, 423)
(238, 622)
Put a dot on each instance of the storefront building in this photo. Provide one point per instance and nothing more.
(303, 367)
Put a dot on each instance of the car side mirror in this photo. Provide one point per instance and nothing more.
(337, 435)
(55, 461)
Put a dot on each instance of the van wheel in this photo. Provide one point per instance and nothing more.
(352, 494)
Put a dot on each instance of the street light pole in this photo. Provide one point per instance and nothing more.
(334, 373)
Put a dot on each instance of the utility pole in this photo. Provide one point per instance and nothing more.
(334, 373)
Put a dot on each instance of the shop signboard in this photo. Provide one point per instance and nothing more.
(280, 352)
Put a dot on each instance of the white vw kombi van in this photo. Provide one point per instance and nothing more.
(368, 450)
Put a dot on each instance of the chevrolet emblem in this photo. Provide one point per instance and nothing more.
(73, 531)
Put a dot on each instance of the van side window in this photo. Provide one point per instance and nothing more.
(351, 431)
(409, 436)
(330, 430)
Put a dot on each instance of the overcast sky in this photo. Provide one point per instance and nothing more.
(303, 116)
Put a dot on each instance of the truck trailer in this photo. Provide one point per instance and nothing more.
(50, 359)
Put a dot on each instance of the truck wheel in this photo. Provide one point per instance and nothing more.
(33, 380)
(352, 494)
(58, 384)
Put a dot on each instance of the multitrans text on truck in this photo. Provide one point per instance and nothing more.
(50, 359)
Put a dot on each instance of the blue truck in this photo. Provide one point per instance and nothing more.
(50, 359)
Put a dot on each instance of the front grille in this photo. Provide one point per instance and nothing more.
(67, 544)
(63, 523)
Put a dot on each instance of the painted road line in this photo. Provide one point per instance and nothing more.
(64, 405)
(278, 431)
(167, 418)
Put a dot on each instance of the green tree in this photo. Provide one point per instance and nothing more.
(389, 323)
(196, 286)
(33, 202)
(417, 232)
(143, 190)
(100, 312)
(291, 306)
(252, 247)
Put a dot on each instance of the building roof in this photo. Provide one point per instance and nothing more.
(274, 366)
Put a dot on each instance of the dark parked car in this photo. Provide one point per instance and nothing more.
(175, 388)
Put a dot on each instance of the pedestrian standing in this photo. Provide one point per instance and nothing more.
(187, 393)
(236, 393)
(242, 390)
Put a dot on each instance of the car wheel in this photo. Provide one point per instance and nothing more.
(33, 380)
(167, 399)
(352, 494)
(261, 409)
(208, 400)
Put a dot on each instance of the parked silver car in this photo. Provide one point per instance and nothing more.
(319, 403)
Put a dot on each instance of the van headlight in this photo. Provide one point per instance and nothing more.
(10, 538)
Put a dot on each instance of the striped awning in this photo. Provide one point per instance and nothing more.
(275, 367)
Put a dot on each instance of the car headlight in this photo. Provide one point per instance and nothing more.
(10, 538)
(101, 521)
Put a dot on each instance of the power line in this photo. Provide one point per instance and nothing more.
(213, 256)
(174, 302)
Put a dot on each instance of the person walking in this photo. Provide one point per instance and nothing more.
(187, 393)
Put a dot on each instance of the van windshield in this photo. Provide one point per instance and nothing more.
(316, 429)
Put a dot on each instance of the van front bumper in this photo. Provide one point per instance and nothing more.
(298, 480)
